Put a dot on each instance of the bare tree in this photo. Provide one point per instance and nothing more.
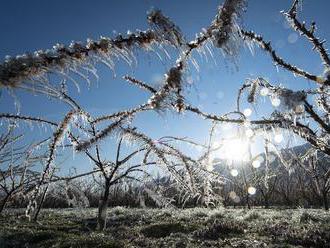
(315, 165)
(17, 172)
(83, 132)
(115, 172)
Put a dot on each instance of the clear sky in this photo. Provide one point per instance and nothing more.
(31, 25)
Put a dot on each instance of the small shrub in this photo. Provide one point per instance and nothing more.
(252, 216)
(164, 214)
(89, 241)
(221, 229)
(298, 235)
(274, 230)
(306, 218)
(200, 214)
(119, 210)
(163, 230)
(217, 215)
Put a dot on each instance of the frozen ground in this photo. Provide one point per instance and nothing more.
(169, 228)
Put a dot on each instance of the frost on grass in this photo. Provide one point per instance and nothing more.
(192, 181)
(160, 228)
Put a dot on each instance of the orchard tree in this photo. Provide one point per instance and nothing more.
(29, 72)
(83, 131)
(18, 164)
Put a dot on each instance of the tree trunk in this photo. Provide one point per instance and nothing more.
(266, 202)
(325, 201)
(3, 203)
(43, 197)
(142, 201)
(103, 205)
(248, 201)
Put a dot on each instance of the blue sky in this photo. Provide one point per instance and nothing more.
(35, 24)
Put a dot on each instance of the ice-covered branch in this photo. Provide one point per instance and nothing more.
(298, 128)
(279, 61)
(26, 118)
(309, 109)
(14, 72)
(291, 16)
(224, 29)
(166, 28)
(140, 84)
(122, 114)
(84, 145)
(224, 33)
(47, 172)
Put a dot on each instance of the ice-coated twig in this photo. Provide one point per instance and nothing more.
(291, 16)
(140, 84)
(122, 114)
(224, 31)
(278, 60)
(166, 28)
(47, 171)
(298, 128)
(84, 145)
(14, 72)
(309, 109)
(26, 118)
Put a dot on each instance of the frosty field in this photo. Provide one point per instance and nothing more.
(164, 123)
(196, 227)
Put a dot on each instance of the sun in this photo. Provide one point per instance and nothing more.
(235, 150)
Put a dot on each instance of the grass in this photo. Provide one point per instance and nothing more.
(164, 229)
(169, 228)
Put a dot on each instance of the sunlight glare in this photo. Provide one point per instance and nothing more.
(235, 150)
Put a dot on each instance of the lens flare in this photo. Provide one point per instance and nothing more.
(252, 190)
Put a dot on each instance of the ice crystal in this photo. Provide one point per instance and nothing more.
(168, 30)
(226, 31)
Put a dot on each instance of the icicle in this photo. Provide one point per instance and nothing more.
(166, 27)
